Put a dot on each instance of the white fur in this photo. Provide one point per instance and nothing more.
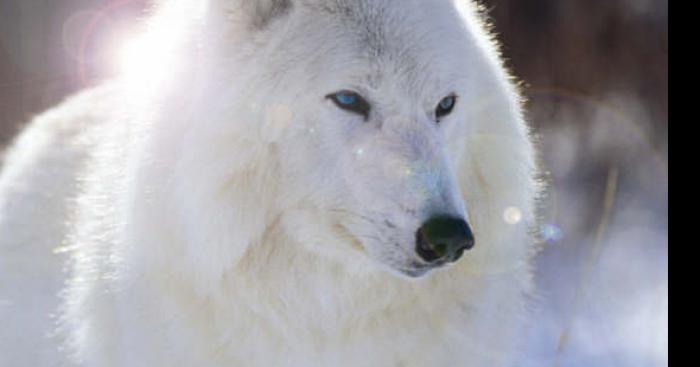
(230, 215)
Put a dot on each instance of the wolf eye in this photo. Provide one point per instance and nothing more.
(445, 106)
(350, 101)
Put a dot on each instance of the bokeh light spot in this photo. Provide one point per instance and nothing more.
(550, 233)
(512, 215)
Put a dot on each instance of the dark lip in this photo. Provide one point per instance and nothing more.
(414, 273)
(417, 269)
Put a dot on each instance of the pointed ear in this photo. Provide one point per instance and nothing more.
(255, 13)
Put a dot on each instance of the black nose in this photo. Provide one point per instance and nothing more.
(443, 239)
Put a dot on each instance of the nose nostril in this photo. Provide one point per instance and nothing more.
(424, 249)
(458, 254)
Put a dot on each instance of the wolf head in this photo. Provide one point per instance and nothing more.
(383, 133)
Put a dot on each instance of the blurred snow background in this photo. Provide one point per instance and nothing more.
(596, 76)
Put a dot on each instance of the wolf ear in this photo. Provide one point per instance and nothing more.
(255, 13)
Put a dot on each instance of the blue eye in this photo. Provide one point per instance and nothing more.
(445, 106)
(350, 101)
(346, 99)
(447, 103)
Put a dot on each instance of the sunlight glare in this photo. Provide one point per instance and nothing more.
(144, 60)
(152, 57)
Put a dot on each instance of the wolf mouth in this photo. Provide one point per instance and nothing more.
(417, 269)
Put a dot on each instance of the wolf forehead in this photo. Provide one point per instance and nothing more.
(368, 12)
(416, 39)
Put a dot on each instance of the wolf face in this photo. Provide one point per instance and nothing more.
(370, 111)
(367, 113)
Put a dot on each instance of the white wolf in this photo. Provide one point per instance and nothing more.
(294, 188)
